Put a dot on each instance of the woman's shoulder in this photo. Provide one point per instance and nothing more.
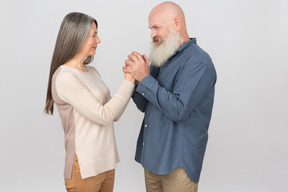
(69, 74)
(93, 70)
(64, 75)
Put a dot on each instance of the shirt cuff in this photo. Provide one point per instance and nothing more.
(145, 84)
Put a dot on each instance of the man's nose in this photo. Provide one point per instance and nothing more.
(153, 34)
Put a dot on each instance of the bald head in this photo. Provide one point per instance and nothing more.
(165, 16)
(169, 9)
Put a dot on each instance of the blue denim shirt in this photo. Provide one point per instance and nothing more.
(177, 100)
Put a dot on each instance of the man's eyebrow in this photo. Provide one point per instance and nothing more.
(154, 26)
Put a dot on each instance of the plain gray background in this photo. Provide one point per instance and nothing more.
(247, 40)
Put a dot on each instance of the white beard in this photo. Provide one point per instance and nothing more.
(159, 54)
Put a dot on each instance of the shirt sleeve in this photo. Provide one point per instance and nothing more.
(194, 80)
(139, 100)
(71, 90)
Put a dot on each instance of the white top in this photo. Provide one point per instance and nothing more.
(87, 112)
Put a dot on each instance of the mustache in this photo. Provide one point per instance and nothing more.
(158, 40)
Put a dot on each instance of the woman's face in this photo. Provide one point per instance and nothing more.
(90, 45)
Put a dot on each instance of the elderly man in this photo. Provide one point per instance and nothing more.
(176, 94)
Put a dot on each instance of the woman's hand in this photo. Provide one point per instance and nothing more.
(138, 65)
(128, 76)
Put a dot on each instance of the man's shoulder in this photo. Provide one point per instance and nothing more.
(195, 53)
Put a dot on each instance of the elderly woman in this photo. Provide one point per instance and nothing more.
(85, 106)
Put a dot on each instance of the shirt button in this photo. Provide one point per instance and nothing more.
(143, 94)
(145, 125)
(143, 144)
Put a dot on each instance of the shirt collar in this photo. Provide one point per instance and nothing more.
(187, 43)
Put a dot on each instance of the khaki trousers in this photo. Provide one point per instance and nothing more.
(175, 181)
(104, 182)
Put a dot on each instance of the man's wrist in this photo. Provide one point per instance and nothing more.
(139, 80)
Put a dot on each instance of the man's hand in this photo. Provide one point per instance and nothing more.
(138, 66)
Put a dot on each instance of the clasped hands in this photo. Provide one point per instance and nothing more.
(137, 66)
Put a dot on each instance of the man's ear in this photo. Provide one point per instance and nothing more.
(177, 22)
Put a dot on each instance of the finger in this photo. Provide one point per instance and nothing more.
(133, 58)
(127, 70)
(129, 63)
(145, 58)
(138, 55)
(135, 53)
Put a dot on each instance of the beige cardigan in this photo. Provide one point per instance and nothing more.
(87, 112)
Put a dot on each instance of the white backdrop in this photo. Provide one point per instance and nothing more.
(247, 40)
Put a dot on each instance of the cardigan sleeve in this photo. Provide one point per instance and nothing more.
(122, 111)
(71, 90)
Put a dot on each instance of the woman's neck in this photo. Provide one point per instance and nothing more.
(77, 62)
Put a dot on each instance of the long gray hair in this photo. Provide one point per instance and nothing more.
(73, 32)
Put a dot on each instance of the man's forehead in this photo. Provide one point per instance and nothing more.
(157, 20)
